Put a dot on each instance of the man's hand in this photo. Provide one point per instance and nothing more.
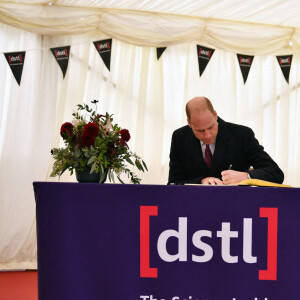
(232, 177)
(212, 181)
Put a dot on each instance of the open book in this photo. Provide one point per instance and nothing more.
(249, 182)
(258, 182)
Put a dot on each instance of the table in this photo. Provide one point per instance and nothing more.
(156, 242)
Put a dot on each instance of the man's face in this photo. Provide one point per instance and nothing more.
(204, 126)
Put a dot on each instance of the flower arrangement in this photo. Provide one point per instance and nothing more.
(93, 141)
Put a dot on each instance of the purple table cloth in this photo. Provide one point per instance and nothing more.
(155, 242)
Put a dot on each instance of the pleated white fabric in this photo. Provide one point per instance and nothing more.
(249, 27)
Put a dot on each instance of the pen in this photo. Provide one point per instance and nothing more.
(230, 167)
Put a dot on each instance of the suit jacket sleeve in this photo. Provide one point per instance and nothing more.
(264, 166)
(177, 172)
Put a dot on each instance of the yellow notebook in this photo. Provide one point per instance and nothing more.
(248, 182)
(258, 182)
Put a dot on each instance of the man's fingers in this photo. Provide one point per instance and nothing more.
(212, 181)
(233, 177)
(220, 182)
(216, 181)
(227, 172)
(225, 178)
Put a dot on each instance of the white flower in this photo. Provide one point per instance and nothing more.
(108, 126)
(75, 122)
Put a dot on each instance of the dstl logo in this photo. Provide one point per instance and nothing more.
(286, 60)
(225, 235)
(245, 60)
(17, 58)
(205, 53)
(103, 46)
(61, 52)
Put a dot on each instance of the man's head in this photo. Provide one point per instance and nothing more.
(202, 118)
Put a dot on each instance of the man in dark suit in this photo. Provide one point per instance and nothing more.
(211, 151)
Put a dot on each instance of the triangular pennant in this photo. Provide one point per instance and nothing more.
(104, 49)
(204, 56)
(160, 51)
(16, 63)
(245, 62)
(62, 55)
(285, 63)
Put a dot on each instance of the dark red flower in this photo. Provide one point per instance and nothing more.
(91, 129)
(121, 142)
(66, 130)
(125, 135)
(86, 140)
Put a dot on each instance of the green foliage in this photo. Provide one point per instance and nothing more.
(103, 151)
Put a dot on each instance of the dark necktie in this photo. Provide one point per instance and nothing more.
(208, 156)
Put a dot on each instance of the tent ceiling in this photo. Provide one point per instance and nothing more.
(254, 27)
(272, 12)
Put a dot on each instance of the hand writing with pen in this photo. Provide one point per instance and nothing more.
(228, 177)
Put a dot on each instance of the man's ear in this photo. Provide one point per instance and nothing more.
(189, 122)
(215, 115)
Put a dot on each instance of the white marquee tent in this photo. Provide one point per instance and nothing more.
(146, 95)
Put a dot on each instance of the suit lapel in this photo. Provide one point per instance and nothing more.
(221, 148)
(196, 152)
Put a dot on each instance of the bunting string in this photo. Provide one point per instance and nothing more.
(61, 54)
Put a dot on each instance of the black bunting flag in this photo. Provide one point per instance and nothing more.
(160, 51)
(104, 49)
(62, 55)
(245, 62)
(16, 63)
(204, 56)
(285, 63)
